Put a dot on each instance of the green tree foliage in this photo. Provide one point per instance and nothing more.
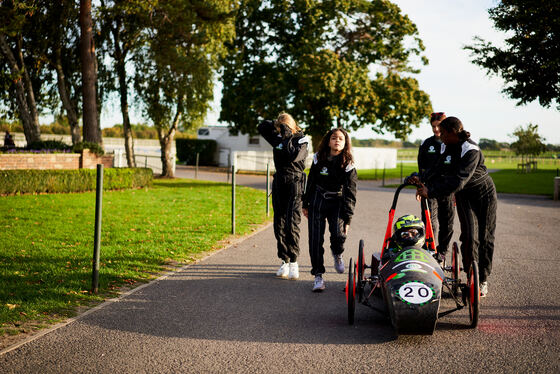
(489, 144)
(530, 60)
(529, 142)
(21, 68)
(175, 70)
(329, 63)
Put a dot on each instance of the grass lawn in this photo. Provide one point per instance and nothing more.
(538, 182)
(377, 174)
(507, 180)
(46, 241)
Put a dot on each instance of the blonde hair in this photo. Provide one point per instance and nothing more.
(286, 119)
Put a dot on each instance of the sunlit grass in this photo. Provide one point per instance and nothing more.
(46, 241)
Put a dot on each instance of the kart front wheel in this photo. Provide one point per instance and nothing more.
(360, 271)
(351, 293)
(455, 268)
(473, 289)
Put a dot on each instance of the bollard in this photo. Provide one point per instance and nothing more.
(267, 188)
(556, 188)
(97, 236)
(196, 167)
(233, 199)
(383, 184)
(401, 173)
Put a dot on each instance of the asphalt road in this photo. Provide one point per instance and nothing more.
(228, 313)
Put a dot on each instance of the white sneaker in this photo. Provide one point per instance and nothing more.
(338, 263)
(483, 289)
(319, 283)
(283, 271)
(294, 270)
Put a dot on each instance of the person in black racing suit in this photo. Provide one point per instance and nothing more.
(461, 170)
(330, 196)
(290, 150)
(441, 208)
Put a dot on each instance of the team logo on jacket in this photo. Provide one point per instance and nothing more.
(279, 146)
(324, 171)
(447, 160)
(431, 149)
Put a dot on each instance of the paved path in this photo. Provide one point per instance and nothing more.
(228, 313)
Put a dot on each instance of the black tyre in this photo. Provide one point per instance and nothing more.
(351, 292)
(473, 296)
(455, 268)
(360, 283)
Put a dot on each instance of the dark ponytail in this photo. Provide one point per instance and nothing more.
(454, 124)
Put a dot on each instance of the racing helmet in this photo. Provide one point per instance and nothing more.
(409, 231)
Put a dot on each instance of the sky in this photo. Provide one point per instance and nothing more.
(455, 85)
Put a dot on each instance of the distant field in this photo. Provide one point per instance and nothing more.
(495, 159)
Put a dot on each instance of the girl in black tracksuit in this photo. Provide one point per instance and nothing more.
(290, 149)
(441, 208)
(330, 197)
(461, 170)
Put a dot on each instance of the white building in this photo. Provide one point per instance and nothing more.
(254, 152)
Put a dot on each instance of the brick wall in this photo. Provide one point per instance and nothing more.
(84, 160)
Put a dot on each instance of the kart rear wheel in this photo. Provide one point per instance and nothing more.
(351, 293)
(455, 268)
(473, 296)
(360, 271)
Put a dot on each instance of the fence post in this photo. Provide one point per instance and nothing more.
(196, 167)
(97, 235)
(383, 184)
(401, 172)
(233, 199)
(146, 161)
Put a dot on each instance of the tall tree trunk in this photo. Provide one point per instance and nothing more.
(89, 75)
(120, 57)
(166, 141)
(64, 93)
(25, 100)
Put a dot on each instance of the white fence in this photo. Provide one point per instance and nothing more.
(147, 152)
(364, 158)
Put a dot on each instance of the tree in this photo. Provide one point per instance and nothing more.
(175, 69)
(14, 17)
(62, 54)
(315, 59)
(529, 142)
(121, 30)
(530, 60)
(92, 132)
(489, 144)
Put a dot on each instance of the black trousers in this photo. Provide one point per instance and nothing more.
(476, 209)
(321, 211)
(442, 215)
(286, 202)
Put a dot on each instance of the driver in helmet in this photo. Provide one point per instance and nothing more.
(408, 231)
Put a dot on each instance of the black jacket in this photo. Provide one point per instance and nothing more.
(289, 150)
(460, 167)
(330, 176)
(428, 154)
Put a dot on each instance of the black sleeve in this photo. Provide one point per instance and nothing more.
(421, 160)
(269, 133)
(349, 194)
(447, 184)
(310, 186)
(296, 148)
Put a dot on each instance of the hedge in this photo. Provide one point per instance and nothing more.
(188, 148)
(13, 182)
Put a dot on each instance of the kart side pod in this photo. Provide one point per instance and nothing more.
(411, 281)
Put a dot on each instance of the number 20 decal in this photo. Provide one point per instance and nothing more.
(415, 293)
